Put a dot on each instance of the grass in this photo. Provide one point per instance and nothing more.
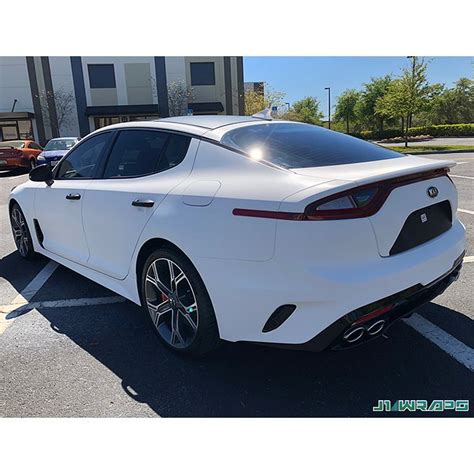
(418, 148)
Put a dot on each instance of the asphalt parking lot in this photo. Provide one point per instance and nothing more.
(75, 349)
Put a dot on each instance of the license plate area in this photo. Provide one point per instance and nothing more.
(423, 225)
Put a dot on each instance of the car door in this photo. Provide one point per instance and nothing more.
(141, 169)
(58, 206)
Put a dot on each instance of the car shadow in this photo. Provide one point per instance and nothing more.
(245, 380)
(249, 380)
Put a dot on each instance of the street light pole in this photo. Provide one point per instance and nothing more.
(329, 106)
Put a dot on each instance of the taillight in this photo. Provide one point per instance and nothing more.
(362, 201)
(359, 202)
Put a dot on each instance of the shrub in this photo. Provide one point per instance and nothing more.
(455, 130)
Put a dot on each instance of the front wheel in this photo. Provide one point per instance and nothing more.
(21, 233)
(32, 164)
(175, 298)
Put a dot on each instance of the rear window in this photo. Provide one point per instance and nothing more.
(297, 145)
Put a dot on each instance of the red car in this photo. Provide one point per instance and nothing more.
(18, 154)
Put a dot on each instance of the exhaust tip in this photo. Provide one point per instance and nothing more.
(353, 334)
(376, 327)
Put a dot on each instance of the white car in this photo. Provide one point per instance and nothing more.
(244, 229)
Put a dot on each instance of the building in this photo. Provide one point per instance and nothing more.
(257, 87)
(46, 97)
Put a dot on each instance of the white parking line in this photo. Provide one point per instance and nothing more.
(30, 290)
(459, 176)
(449, 344)
(468, 259)
(35, 285)
(466, 211)
(13, 310)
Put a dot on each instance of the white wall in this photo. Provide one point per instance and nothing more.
(119, 70)
(14, 84)
(61, 76)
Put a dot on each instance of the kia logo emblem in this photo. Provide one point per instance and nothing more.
(432, 191)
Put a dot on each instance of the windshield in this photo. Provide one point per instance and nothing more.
(13, 143)
(297, 145)
(60, 145)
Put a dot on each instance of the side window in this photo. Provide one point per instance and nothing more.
(143, 152)
(34, 146)
(82, 162)
(174, 152)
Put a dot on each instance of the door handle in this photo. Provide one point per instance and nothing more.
(73, 197)
(143, 203)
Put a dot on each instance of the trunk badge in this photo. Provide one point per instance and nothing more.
(423, 218)
(432, 191)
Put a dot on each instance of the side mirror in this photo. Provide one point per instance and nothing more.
(42, 173)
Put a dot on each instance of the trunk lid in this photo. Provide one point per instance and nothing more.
(413, 213)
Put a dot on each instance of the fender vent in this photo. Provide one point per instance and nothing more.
(278, 317)
(39, 232)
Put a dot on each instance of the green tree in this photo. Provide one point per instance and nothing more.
(366, 105)
(346, 107)
(455, 105)
(306, 110)
(406, 96)
(257, 101)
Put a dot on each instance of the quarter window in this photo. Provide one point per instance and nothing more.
(82, 162)
(203, 74)
(143, 152)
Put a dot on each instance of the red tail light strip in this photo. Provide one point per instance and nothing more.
(311, 213)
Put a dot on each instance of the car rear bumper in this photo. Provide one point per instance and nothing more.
(14, 163)
(403, 304)
(245, 293)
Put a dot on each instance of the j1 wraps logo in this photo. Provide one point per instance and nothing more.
(422, 405)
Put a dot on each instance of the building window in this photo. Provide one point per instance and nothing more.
(15, 130)
(101, 76)
(203, 74)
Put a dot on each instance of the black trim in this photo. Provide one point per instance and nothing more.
(161, 86)
(240, 84)
(278, 317)
(39, 232)
(145, 109)
(438, 219)
(80, 93)
(405, 303)
(16, 115)
(228, 86)
(202, 107)
(48, 83)
(30, 64)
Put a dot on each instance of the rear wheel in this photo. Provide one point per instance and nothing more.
(175, 298)
(21, 233)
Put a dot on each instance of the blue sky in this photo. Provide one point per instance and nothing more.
(304, 76)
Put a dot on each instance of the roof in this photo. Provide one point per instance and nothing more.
(212, 126)
(64, 138)
(210, 122)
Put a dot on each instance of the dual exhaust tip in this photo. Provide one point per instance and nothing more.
(355, 333)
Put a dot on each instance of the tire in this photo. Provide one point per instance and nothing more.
(32, 164)
(181, 313)
(21, 233)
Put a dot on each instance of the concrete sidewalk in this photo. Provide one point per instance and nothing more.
(435, 141)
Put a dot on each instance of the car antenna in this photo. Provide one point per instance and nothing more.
(265, 114)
